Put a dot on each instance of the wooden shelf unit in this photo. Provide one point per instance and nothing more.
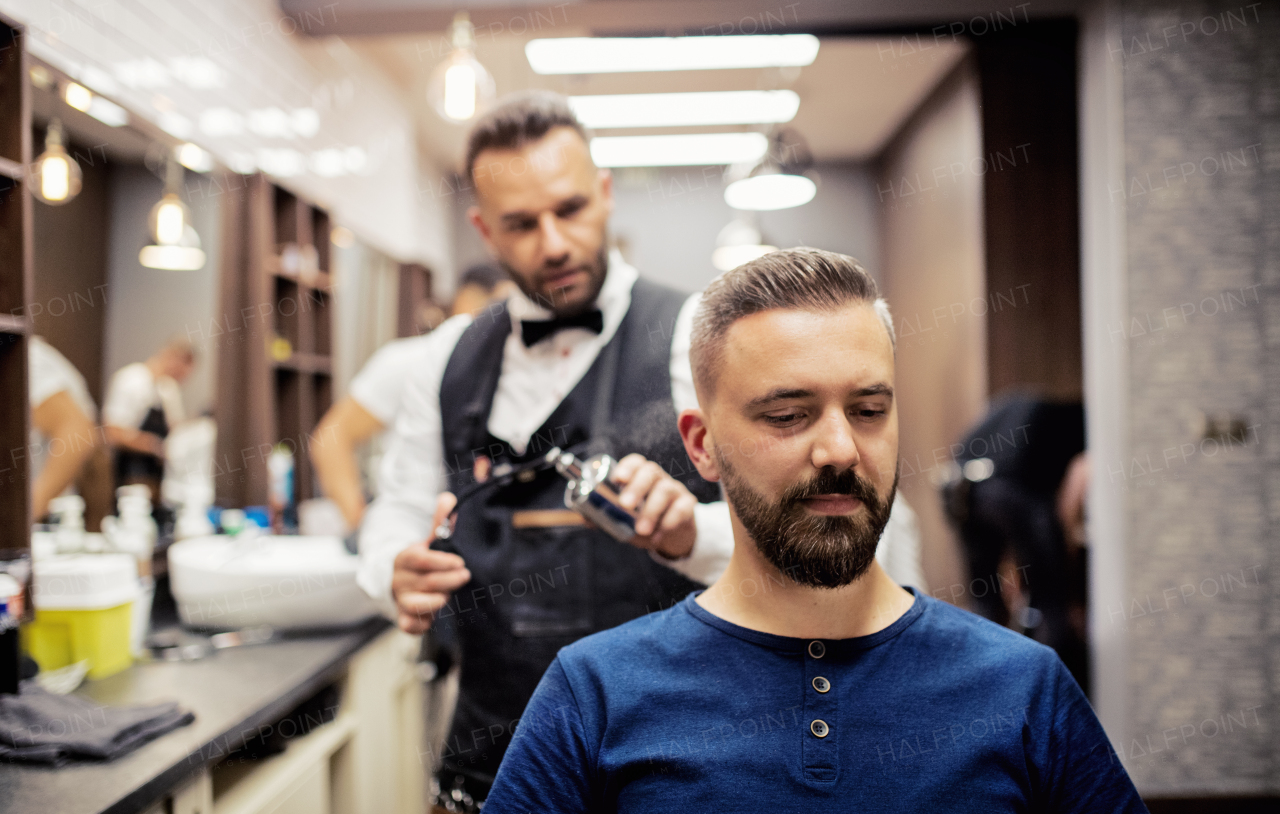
(277, 382)
(16, 284)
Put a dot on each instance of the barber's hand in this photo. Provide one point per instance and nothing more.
(663, 506)
(423, 579)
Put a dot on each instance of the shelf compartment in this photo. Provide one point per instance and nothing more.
(320, 237)
(14, 508)
(285, 209)
(13, 116)
(13, 237)
(305, 363)
(286, 308)
(324, 394)
(321, 306)
(296, 779)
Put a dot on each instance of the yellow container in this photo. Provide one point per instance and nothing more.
(60, 637)
(83, 609)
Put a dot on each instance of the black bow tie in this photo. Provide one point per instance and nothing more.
(533, 331)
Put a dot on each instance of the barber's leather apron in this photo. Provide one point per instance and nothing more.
(538, 584)
(132, 466)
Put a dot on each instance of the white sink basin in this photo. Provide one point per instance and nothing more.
(290, 583)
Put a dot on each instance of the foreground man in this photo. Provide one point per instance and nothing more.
(804, 678)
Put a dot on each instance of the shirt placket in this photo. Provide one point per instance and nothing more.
(820, 753)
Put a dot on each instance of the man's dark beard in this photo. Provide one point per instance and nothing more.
(558, 306)
(821, 551)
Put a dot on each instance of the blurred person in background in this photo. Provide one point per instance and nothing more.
(143, 402)
(63, 427)
(373, 398)
(480, 285)
(1016, 498)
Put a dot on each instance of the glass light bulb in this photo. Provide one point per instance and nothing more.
(170, 222)
(78, 96)
(55, 178)
(460, 91)
(460, 87)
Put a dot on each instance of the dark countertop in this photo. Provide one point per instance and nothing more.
(231, 693)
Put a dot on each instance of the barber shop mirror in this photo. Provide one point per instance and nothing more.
(126, 259)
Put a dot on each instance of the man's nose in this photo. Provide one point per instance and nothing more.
(835, 444)
(555, 248)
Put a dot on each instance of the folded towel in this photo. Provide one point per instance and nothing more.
(39, 727)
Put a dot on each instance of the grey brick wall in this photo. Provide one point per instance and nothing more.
(1201, 206)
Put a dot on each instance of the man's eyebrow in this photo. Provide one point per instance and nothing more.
(521, 215)
(786, 393)
(778, 394)
(881, 389)
(518, 217)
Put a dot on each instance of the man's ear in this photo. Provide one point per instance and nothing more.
(473, 215)
(606, 187)
(699, 443)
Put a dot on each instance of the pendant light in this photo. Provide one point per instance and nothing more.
(55, 178)
(460, 86)
(176, 246)
(774, 184)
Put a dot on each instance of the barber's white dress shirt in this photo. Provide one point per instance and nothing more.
(534, 381)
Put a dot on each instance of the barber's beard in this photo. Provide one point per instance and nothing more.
(820, 551)
(556, 303)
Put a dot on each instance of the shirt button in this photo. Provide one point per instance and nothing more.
(821, 684)
(817, 649)
(819, 728)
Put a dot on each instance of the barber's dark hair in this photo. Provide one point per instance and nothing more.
(518, 120)
(793, 279)
(485, 275)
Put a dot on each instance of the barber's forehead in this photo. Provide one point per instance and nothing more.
(560, 152)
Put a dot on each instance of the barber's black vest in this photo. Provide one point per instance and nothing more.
(535, 590)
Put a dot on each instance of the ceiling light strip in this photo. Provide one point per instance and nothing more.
(702, 149)
(686, 109)
(579, 55)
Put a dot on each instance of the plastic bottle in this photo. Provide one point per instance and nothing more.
(280, 489)
(69, 534)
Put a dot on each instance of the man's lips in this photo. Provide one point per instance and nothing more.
(563, 278)
(832, 504)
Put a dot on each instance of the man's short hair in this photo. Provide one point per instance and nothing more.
(793, 279)
(520, 119)
(484, 275)
(180, 347)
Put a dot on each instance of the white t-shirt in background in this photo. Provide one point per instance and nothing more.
(50, 374)
(379, 385)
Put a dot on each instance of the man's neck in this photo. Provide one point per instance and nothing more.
(752, 593)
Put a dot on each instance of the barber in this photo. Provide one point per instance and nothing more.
(587, 356)
(143, 403)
